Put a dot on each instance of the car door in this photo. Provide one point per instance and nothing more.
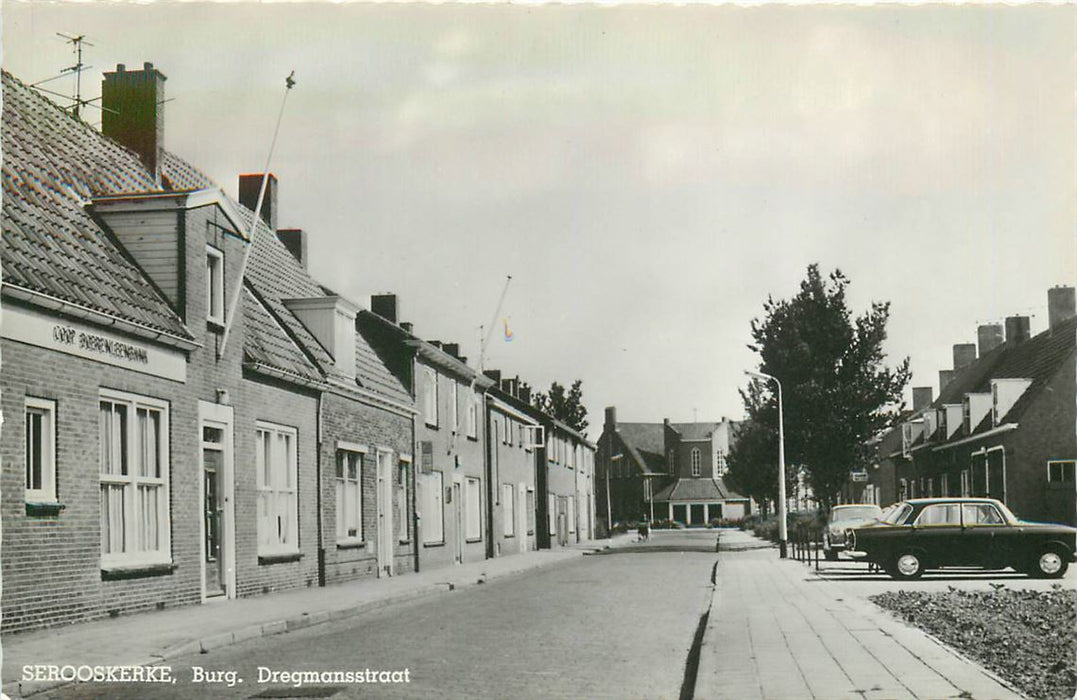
(937, 532)
(981, 523)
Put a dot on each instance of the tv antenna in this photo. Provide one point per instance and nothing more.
(77, 42)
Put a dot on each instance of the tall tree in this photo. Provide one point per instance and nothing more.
(837, 391)
(566, 407)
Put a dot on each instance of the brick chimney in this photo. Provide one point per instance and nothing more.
(385, 305)
(1061, 305)
(921, 397)
(964, 354)
(250, 185)
(945, 377)
(453, 349)
(133, 112)
(295, 240)
(1017, 329)
(611, 416)
(525, 392)
(494, 374)
(989, 337)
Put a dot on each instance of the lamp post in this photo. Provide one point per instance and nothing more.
(783, 534)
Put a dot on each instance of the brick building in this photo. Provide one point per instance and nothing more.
(667, 471)
(1003, 425)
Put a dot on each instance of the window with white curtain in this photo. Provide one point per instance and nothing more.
(433, 509)
(473, 509)
(349, 491)
(134, 464)
(276, 465)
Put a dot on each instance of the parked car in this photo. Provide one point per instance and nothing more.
(928, 533)
(840, 520)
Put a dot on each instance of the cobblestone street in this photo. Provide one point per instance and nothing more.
(616, 625)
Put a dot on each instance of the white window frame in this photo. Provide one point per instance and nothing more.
(403, 487)
(473, 415)
(342, 482)
(1063, 463)
(430, 396)
(508, 510)
(551, 513)
(529, 503)
(697, 462)
(454, 406)
(433, 511)
(277, 500)
(570, 505)
(214, 284)
(132, 552)
(472, 509)
(45, 408)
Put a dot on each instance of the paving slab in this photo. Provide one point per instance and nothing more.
(777, 629)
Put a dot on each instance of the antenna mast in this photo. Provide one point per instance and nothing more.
(77, 43)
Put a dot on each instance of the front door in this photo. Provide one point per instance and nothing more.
(217, 512)
(213, 510)
(458, 522)
(385, 514)
(521, 516)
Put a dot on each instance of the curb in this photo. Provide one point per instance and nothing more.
(23, 689)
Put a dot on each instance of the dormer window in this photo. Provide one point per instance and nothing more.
(214, 285)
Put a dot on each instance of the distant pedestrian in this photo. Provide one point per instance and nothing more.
(644, 529)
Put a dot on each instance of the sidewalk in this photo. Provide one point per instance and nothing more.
(155, 637)
(776, 630)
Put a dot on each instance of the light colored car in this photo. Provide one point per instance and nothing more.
(841, 519)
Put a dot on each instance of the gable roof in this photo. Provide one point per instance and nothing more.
(53, 165)
(645, 443)
(697, 490)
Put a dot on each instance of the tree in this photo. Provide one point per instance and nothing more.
(565, 407)
(837, 392)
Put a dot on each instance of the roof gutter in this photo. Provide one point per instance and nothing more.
(271, 371)
(99, 318)
(1004, 428)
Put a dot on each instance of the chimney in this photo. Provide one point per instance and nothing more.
(945, 377)
(295, 240)
(1061, 305)
(964, 354)
(989, 337)
(408, 326)
(494, 374)
(133, 113)
(1017, 330)
(611, 416)
(249, 187)
(921, 397)
(510, 385)
(525, 393)
(384, 305)
(435, 343)
(453, 349)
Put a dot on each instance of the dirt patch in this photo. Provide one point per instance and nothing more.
(1026, 637)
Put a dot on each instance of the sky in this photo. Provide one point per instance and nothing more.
(647, 175)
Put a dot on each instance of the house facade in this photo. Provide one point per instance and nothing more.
(1003, 425)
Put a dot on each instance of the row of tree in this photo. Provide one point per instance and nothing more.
(837, 392)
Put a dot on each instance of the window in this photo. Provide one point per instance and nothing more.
(1057, 472)
(214, 285)
(508, 510)
(940, 514)
(697, 460)
(276, 467)
(134, 456)
(473, 415)
(930, 487)
(430, 396)
(572, 514)
(508, 431)
(966, 487)
(944, 485)
(454, 406)
(551, 513)
(403, 509)
(40, 450)
(473, 508)
(349, 487)
(980, 514)
(432, 512)
(530, 511)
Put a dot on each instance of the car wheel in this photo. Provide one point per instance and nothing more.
(1051, 563)
(907, 566)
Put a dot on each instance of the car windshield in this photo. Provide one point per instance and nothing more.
(854, 513)
(898, 514)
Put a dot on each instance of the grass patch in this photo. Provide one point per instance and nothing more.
(1027, 637)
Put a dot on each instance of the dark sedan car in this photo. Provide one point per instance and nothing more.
(928, 533)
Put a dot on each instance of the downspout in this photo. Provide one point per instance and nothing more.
(318, 491)
(488, 467)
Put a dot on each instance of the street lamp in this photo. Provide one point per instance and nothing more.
(783, 534)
